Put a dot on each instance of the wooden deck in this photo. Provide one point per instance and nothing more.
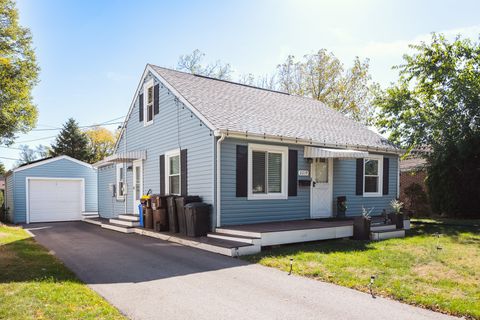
(280, 226)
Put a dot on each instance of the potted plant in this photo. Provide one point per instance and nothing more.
(361, 225)
(396, 216)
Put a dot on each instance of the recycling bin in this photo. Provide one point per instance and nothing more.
(180, 204)
(197, 217)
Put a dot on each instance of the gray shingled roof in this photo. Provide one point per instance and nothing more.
(412, 164)
(236, 107)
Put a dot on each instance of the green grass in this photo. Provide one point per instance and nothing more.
(411, 270)
(35, 285)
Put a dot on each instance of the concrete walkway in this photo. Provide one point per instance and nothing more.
(147, 278)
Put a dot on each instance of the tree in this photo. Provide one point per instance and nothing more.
(101, 143)
(2, 169)
(71, 141)
(18, 75)
(27, 155)
(436, 103)
(193, 63)
(322, 76)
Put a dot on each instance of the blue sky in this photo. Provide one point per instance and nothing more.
(93, 52)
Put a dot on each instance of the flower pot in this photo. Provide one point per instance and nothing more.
(361, 228)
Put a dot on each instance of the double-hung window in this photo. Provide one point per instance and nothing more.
(172, 172)
(120, 181)
(267, 172)
(148, 103)
(372, 176)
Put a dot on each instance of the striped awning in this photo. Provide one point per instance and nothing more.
(122, 157)
(314, 152)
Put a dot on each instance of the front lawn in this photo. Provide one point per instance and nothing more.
(440, 273)
(35, 285)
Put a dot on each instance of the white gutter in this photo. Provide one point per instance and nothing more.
(219, 159)
(281, 139)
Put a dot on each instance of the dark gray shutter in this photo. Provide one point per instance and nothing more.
(183, 172)
(140, 107)
(359, 178)
(292, 172)
(386, 171)
(162, 174)
(242, 171)
(156, 94)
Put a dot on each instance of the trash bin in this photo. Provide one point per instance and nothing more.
(197, 216)
(160, 219)
(158, 201)
(180, 204)
(172, 214)
(341, 206)
(148, 218)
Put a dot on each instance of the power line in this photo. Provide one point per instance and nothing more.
(26, 141)
(11, 148)
(105, 123)
(7, 158)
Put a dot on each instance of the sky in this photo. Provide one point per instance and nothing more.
(92, 53)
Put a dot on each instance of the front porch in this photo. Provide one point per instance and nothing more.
(247, 239)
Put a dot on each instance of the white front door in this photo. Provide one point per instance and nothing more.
(137, 184)
(322, 188)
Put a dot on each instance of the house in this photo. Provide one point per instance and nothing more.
(52, 189)
(255, 155)
(413, 189)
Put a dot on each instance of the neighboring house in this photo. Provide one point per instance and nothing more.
(51, 189)
(255, 155)
(2, 191)
(413, 173)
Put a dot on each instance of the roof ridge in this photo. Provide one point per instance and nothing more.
(222, 80)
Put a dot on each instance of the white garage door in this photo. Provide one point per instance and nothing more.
(54, 200)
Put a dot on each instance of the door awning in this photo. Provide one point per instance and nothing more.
(314, 152)
(122, 157)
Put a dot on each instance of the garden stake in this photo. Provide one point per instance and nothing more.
(291, 266)
(370, 286)
(436, 234)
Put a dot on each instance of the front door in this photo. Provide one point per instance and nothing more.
(322, 188)
(137, 184)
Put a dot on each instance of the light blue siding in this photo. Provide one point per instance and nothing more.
(344, 185)
(173, 128)
(239, 210)
(62, 168)
(9, 196)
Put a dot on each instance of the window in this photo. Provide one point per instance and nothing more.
(321, 170)
(148, 103)
(121, 181)
(172, 172)
(267, 172)
(372, 176)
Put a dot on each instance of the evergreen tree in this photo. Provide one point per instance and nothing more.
(71, 141)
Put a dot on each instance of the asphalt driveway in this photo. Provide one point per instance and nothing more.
(147, 278)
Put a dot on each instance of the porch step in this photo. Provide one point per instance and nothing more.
(95, 221)
(129, 217)
(126, 223)
(90, 215)
(234, 232)
(117, 227)
(235, 238)
(387, 234)
(383, 227)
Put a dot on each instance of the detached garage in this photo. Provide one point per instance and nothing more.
(52, 189)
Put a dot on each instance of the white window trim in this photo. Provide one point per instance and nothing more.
(379, 193)
(268, 148)
(147, 85)
(117, 181)
(168, 155)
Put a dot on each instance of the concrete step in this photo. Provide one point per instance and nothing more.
(126, 223)
(387, 234)
(95, 221)
(383, 227)
(234, 232)
(236, 238)
(118, 228)
(86, 215)
(129, 217)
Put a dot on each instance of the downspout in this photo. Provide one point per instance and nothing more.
(219, 158)
(398, 177)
